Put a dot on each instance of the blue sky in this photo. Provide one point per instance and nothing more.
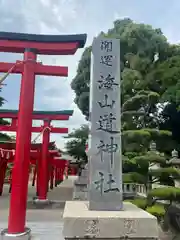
(71, 17)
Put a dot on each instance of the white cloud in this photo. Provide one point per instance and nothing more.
(68, 17)
(50, 18)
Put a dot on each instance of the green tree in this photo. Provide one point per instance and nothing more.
(77, 143)
(139, 44)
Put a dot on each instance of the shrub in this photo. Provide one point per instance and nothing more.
(130, 136)
(127, 178)
(139, 202)
(157, 210)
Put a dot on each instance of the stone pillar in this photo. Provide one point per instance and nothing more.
(105, 216)
(105, 187)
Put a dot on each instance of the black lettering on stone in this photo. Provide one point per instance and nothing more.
(110, 182)
(110, 148)
(107, 60)
(100, 184)
(107, 82)
(106, 123)
(106, 103)
(106, 45)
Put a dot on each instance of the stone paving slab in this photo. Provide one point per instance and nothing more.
(43, 230)
(45, 215)
(64, 192)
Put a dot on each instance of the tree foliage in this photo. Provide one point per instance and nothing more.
(149, 76)
(168, 193)
(150, 100)
(76, 145)
(140, 44)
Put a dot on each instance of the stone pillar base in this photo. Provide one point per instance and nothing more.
(130, 223)
(19, 236)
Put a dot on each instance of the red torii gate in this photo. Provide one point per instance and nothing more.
(57, 167)
(46, 129)
(30, 45)
(7, 154)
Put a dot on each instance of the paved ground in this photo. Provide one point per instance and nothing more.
(62, 193)
(46, 223)
(44, 230)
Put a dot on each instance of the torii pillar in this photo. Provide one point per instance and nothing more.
(30, 45)
(42, 195)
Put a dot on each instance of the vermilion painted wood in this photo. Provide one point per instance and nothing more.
(42, 48)
(20, 174)
(36, 116)
(44, 44)
(39, 69)
(44, 171)
(33, 129)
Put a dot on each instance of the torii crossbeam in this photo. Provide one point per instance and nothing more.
(37, 115)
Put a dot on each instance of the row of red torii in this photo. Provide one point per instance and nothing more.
(41, 155)
(49, 167)
(31, 45)
(58, 167)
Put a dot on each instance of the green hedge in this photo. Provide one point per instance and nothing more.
(150, 158)
(165, 193)
(157, 210)
(139, 202)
